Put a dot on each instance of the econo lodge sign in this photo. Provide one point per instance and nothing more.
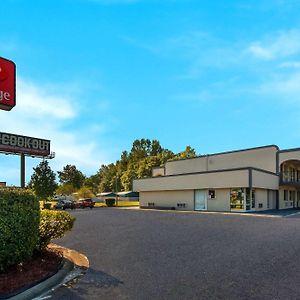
(7, 84)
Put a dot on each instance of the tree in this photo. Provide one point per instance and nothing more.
(85, 192)
(70, 175)
(42, 181)
(138, 163)
(92, 183)
(65, 189)
(189, 152)
(107, 176)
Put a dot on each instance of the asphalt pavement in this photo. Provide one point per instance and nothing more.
(136, 254)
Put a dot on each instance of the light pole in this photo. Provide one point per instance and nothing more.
(116, 190)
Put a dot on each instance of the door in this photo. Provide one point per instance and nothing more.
(200, 200)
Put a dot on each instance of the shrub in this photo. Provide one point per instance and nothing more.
(110, 202)
(53, 225)
(19, 226)
(47, 206)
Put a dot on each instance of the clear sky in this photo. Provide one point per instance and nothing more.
(93, 75)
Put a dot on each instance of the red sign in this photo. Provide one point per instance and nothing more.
(7, 84)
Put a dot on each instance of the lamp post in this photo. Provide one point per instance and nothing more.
(116, 190)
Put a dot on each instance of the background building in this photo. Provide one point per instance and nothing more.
(253, 179)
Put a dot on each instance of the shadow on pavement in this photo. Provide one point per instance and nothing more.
(281, 213)
(82, 287)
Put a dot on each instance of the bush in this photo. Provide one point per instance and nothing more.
(53, 225)
(47, 206)
(110, 202)
(19, 226)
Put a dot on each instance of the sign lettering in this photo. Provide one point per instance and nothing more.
(23, 144)
(7, 84)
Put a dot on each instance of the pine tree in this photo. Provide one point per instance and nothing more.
(43, 181)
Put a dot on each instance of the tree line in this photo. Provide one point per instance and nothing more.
(144, 155)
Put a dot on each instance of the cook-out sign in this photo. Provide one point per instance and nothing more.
(7, 84)
(23, 144)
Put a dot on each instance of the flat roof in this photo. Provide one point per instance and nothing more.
(231, 151)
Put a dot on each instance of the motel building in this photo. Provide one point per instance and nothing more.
(246, 180)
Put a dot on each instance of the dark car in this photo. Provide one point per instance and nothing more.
(83, 203)
(64, 204)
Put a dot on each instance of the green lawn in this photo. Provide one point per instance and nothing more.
(120, 204)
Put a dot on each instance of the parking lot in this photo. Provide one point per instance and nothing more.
(138, 254)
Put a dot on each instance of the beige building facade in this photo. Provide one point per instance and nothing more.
(256, 179)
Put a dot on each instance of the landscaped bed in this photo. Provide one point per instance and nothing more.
(24, 275)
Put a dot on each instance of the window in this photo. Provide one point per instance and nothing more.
(253, 198)
(211, 194)
(248, 199)
(285, 195)
(237, 199)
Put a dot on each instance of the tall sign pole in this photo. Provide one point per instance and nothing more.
(22, 170)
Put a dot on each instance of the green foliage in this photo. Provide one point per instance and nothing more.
(70, 175)
(110, 202)
(53, 225)
(92, 183)
(19, 226)
(138, 163)
(189, 152)
(43, 181)
(85, 192)
(65, 189)
(47, 205)
(107, 176)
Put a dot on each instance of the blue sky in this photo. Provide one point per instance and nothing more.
(93, 75)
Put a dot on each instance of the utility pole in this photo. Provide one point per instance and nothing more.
(116, 190)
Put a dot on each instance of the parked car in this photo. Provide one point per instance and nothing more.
(83, 203)
(64, 204)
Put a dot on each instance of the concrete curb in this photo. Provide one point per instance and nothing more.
(214, 213)
(75, 265)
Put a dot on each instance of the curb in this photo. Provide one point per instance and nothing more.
(75, 265)
(215, 213)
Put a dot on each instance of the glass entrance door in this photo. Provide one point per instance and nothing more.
(200, 200)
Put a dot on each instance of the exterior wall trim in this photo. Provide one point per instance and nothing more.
(289, 150)
(215, 171)
(250, 178)
(283, 151)
(227, 152)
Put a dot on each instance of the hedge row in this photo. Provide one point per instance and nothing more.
(24, 228)
(19, 226)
